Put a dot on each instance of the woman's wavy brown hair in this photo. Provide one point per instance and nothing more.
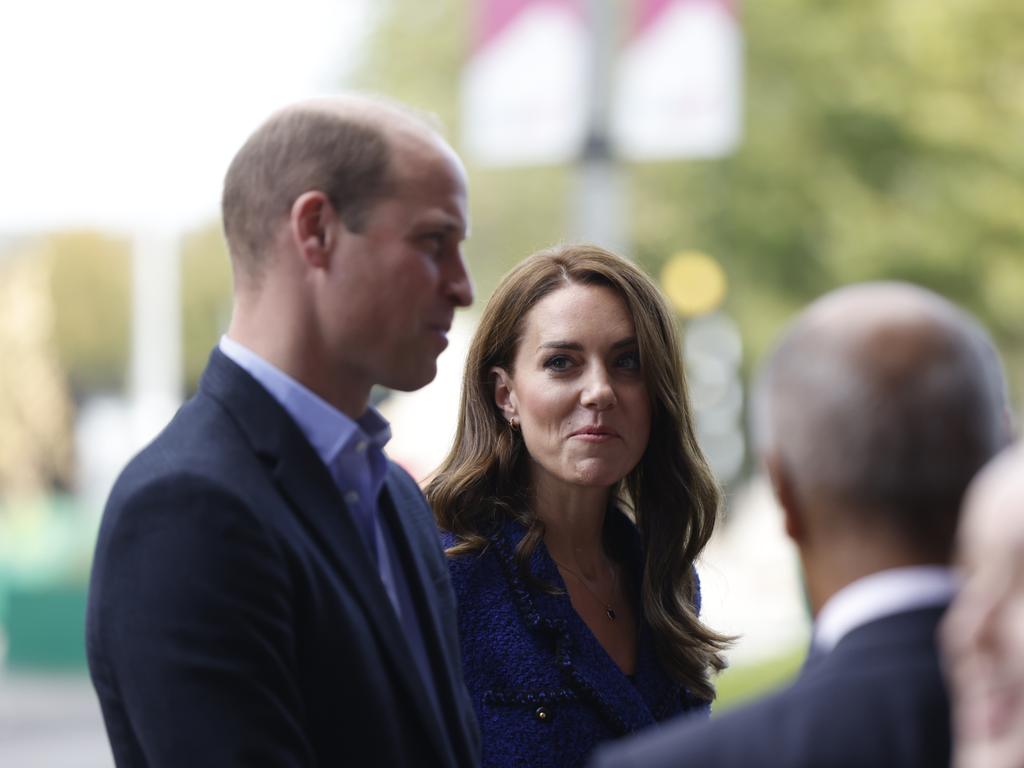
(671, 494)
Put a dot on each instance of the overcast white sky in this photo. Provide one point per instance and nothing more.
(125, 113)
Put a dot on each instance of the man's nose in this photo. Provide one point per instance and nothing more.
(459, 283)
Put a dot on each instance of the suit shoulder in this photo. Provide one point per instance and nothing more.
(201, 439)
(198, 469)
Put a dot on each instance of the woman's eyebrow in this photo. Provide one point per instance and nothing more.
(577, 347)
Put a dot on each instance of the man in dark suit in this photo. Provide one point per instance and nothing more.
(268, 589)
(873, 414)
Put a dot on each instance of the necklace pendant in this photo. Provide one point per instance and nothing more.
(610, 613)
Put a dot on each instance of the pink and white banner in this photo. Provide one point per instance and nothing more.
(524, 88)
(679, 82)
(677, 89)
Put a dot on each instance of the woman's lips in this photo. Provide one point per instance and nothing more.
(595, 434)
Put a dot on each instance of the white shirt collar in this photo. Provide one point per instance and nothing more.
(881, 594)
(327, 429)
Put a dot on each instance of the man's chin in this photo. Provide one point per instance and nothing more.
(411, 380)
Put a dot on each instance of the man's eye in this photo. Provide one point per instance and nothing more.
(433, 241)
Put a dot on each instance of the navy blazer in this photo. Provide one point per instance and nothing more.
(876, 700)
(236, 618)
(545, 691)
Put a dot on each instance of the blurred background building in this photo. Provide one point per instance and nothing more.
(748, 155)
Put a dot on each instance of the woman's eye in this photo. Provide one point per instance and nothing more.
(557, 363)
(629, 361)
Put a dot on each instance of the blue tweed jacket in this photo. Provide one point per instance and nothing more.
(545, 692)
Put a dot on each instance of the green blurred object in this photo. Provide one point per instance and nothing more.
(45, 548)
(46, 627)
(742, 683)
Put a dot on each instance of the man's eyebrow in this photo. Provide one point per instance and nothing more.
(446, 226)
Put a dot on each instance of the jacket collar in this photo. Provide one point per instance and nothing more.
(305, 482)
(628, 704)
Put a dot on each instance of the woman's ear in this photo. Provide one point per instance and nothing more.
(504, 396)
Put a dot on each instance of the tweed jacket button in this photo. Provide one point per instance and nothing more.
(542, 714)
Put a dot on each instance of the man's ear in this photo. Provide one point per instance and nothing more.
(311, 225)
(504, 396)
(785, 493)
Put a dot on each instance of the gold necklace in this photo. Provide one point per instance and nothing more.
(608, 610)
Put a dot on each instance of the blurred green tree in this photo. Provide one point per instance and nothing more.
(91, 282)
(35, 406)
(881, 142)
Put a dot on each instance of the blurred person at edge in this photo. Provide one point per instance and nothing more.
(574, 502)
(872, 415)
(268, 588)
(983, 634)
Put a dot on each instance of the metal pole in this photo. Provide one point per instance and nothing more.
(598, 190)
(156, 360)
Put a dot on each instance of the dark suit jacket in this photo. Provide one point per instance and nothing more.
(545, 691)
(235, 617)
(877, 700)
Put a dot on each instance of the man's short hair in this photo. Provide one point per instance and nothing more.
(893, 423)
(297, 150)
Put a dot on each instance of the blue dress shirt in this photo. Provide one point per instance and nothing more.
(352, 451)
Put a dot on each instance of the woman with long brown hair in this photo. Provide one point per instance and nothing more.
(573, 503)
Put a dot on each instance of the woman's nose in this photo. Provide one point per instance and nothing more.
(598, 392)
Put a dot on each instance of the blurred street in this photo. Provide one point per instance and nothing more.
(51, 721)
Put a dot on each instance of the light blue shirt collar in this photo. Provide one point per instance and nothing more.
(352, 451)
(328, 430)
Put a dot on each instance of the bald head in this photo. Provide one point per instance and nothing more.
(350, 148)
(880, 403)
(994, 509)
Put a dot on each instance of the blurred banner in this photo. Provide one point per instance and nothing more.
(524, 88)
(680, 81)
(677, 88)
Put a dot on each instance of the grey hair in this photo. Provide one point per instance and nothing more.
(884, 396)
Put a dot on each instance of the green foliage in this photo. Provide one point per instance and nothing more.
(879, 145)
(739, 684)
(91, 284)
(881, 142)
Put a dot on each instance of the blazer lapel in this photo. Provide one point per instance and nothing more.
(590, 669)
(404, 521)
(306, 483)
(585, 665)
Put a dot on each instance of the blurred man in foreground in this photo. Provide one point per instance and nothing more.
(873, 414)
(984, 631)
(268, 589)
